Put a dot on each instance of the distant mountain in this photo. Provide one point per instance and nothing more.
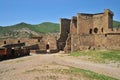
(27, 30)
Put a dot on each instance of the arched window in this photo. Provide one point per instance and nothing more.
(90, 31)
(18, 41)
(96, 30)
(102, 30)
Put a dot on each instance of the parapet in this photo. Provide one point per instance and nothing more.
(74, 18)
(108, 11)
(65, 19)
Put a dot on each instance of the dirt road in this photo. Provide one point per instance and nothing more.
(14, 69)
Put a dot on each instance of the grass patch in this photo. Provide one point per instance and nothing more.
(6, 70)
(90, 74)
(76, 72)
(71, 74)
(100, 56)
(35, 70)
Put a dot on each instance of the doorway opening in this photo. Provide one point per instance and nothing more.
(47, 46)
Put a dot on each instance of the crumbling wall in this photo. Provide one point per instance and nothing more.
(75, 43)
(67, 48)
(73, 25)
(73, 31)
(64, 31)
(90, 31)
(108, 20)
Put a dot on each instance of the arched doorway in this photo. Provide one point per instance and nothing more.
(18, 41)
(47, 46)
(5, 42)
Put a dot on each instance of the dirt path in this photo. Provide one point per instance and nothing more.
(20, 65)
(95, 67)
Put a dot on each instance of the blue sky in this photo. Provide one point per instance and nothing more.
(38, 11)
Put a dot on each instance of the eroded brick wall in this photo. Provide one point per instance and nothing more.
(108, 20)
(73, 25)
(75, 43)
(64, 31)
(91, 31)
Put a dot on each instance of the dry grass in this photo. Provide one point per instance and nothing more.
(99, 56)
(58, 72)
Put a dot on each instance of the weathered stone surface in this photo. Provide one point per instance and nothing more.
(89, 31)
(64, 31)
(36, 43)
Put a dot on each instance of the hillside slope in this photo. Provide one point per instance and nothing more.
(116, 24)
(27, 30)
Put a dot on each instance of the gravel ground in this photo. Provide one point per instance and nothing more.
(39, 66)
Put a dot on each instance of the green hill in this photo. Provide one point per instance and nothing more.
(45, 27)
(116, 24)
(26, 30)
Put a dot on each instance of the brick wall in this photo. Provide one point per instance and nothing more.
(64, 31)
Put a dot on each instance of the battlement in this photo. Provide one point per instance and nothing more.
(114, 30)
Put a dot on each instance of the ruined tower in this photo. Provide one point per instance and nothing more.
(89, 31)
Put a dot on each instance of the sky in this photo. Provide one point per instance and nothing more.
(38, 11)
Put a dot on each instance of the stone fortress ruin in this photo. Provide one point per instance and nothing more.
(82, 32)
(88, 32)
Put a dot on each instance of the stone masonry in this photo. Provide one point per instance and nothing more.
(88, 31)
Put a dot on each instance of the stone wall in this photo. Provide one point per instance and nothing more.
(84, 23)
(64, 31)
(35, 43)
(73, 25)
(28, 41)
(113, 41)
(49, 40)
(68, 44)
(98, 23)
(87, 40)
(90, 31)
(75, 43)
(108, 20)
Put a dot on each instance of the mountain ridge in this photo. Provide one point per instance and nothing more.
(27, 30)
